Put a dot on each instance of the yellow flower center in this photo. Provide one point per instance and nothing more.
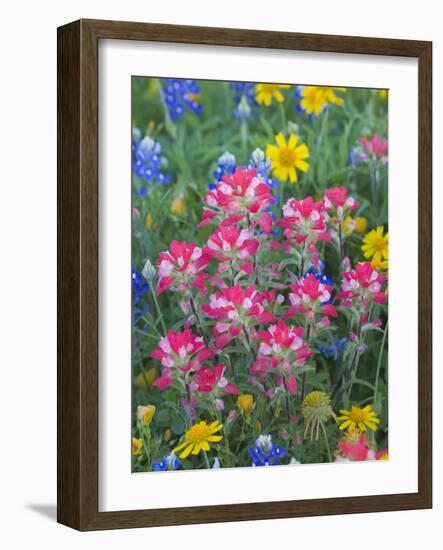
(316, 398)
(378, 243)
(287, 157)
(358, 415)
(198, 433)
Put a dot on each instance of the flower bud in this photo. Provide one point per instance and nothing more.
(245, 402)
(146, 413)
(148, 271)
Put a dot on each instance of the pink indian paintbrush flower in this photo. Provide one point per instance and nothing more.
(338, 204)
(213, 380)
(234, 308)
(375, 147)
(179, 352)
(304, 220)
(181, 267)
(356, 448)
(362, 285)
(281, 349)
(309, 297)
(240, 195)
(229, 244)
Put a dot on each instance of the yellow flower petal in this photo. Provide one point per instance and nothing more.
(186, 452)
(302, 165)
(197, 449)
(278, 96)
(280, 139)
(302, 151)
(292, 141)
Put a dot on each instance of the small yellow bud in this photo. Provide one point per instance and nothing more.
(178, 205)
(137, 445)
(348, 225)
(149, 221)
(167, 435)
(152, 86)
(146, 413)
(361, 224)
(245, 402)
(145, 379)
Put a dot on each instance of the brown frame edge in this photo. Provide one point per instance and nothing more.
(77, 317)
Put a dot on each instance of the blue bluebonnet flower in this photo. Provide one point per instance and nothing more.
(335, 348)
(139, 289)
(320, 274)
(244, 97)
(147, 161)
(226, 165)
(262, 164)
(181, 93)
(169, 462)
(266, 453)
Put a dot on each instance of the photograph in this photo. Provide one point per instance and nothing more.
(259, 274)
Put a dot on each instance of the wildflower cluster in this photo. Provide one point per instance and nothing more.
(259, 304)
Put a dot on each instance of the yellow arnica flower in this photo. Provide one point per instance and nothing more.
(378, 264)
(137, 445)
(375, 246)
(383, 94)
(313, 100)
(178, 205)
(357, 420)
(198, 438)
(331, 97)
(145, 378)
(245, 402)
(286, 157)
(265, 92)
(146, 413)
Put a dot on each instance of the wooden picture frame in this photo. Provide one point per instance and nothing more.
(78, 273)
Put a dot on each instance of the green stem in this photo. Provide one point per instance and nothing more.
(157, 307)
(340, 242)
(380, 355)
(283, 116)
(198, 320)
(353, 371)
(326, 441)
(244, 138)
(205, 455)
(146, 438)
(162, 97)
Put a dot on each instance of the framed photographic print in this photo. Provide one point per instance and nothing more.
(244, 275)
